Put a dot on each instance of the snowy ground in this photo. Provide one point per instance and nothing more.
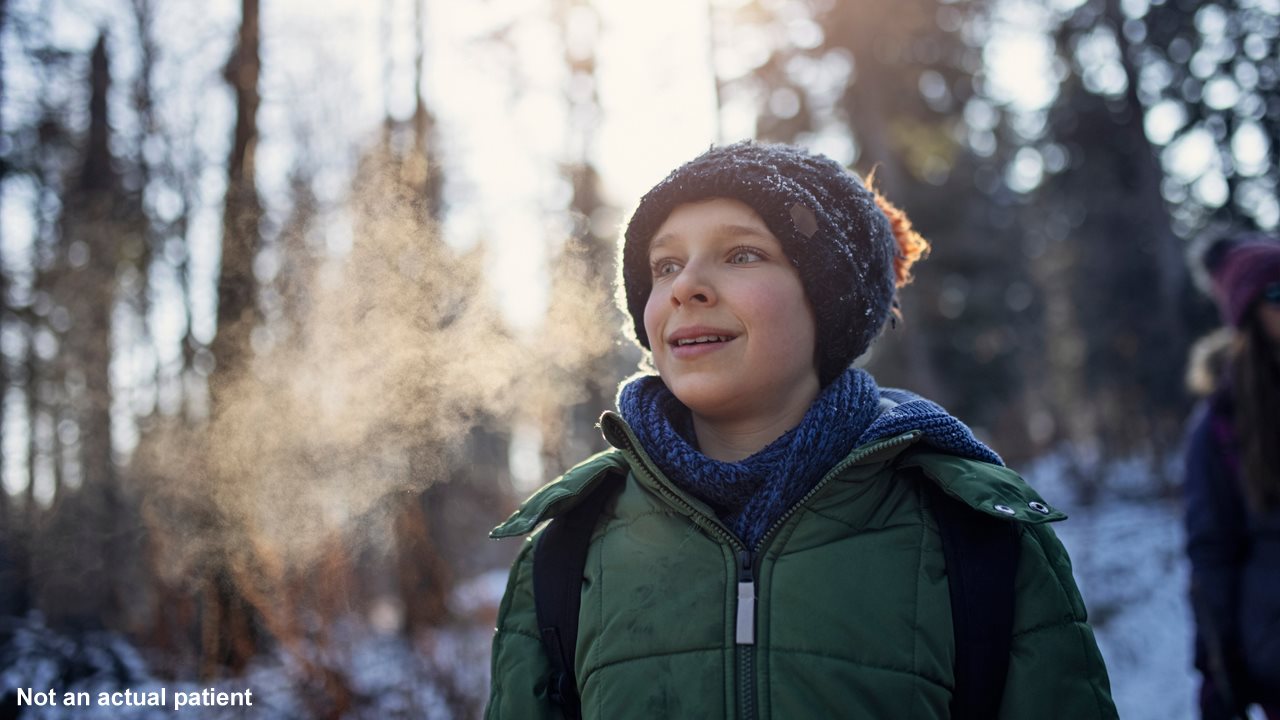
(1128, 560)
(389, 677)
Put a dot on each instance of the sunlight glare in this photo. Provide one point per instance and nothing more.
(1191, 156)
(1164, 120)
(1019, 65)
(658, 96)
(1249, 146)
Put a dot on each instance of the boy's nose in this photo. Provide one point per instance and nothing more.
(692, 286)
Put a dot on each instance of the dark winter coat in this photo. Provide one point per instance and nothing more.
(853, 615)
(1235, 562)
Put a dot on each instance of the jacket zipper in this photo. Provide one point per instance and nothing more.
(745, 634)
(745, 630)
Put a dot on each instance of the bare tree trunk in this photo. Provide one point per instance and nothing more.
(82, 547)
(865, 104)
(237, 309)
(4, 172)
(425, 168)
(587, 255)
(424, 575)
(33, 372)
(94, 284)
(229, 636)
(6, 520)
(1126, 358)
(717, 83)
(1172, 274)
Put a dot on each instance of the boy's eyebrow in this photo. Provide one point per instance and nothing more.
(723, 230)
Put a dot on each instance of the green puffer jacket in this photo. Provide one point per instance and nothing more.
(853, 614)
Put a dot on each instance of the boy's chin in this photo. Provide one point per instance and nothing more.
(710, 399)
(725, 397)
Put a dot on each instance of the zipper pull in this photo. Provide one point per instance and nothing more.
(746, 631)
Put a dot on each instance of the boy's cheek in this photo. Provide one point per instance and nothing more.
(653, 320)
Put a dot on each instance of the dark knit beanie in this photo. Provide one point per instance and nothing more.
(1241, 269)
(828, 222)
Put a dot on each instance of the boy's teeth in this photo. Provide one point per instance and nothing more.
(702, 339)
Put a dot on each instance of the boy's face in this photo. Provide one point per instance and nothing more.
(730, 328)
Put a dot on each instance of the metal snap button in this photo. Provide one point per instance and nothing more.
(1038, 507)
(1005, 509)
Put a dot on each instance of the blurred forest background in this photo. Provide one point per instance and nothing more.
(299, 300)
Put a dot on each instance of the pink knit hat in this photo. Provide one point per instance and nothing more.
(1241, 269)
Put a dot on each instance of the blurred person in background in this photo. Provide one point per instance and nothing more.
(1232, 483)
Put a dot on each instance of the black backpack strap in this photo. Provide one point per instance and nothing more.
(981, 553)
(558, 563)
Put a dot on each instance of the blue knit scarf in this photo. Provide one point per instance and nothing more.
(752, 494)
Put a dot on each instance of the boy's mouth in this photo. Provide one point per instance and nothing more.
(691, 341)
(701, 339)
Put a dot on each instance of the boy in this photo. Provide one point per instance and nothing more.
(770, 546)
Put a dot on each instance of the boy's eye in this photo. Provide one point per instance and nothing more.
(664, 267)
(745, 255)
